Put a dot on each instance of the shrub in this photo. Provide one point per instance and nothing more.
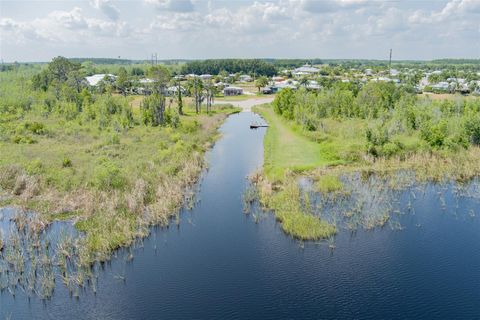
(34, 167)
(107, 176)
(472, 128)
(21, 139)
(191, 126)
(35, 127)
(66, 162)
(389, 149)
(435, 134)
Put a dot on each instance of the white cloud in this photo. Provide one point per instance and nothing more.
(172, 5)
(324, 6)
(107, 8)
(297, 28)
(63, 27)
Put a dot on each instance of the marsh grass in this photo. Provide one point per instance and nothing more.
(329, 183)
(114, 185)
(287, 206)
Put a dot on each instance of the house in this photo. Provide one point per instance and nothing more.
(381, 79)
(300, 74)
(95, 79)
(394, 72)
(245, 78)
(232, 91)
(306, 69)
(441, 87)
(313, 85)
(205, 76)
(143, 86)
(221, 85)
(173, 90)
(266, 90)
(368, 72)
(278, 86)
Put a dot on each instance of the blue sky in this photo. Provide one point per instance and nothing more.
(192, 29)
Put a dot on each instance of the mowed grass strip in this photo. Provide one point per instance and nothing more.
(287, 149)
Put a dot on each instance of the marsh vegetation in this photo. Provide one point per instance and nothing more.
(69, 152)
(378, 131)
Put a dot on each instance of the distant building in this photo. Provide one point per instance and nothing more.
(394, 72)
(306, 69)
(266, 90)
(232, 91)
(95, 79)
(381, 79)
(441, 87)
(173, 90)
(368, 72)
(205, 76)
(245, 78)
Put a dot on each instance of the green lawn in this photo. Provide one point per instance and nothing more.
(288, 149)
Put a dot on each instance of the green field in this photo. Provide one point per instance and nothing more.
(285, 148)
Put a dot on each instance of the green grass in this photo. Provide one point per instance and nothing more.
(295, 219)
(329, 183)
(285, 148)
(106, 179)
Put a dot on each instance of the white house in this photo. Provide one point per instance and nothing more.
(394, 72)
(441, 86)
(306, 69)
(173, 90)
(205, 76)
(95, 79)
(245, 78)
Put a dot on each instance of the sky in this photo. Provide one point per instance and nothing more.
(201, 29)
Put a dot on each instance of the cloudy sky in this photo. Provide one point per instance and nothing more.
(40, 30)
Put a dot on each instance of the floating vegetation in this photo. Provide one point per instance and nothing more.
(353, 201)
(291, 210)
(35, 254)
(250, 196)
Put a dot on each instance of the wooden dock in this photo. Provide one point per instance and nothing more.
(256, 126)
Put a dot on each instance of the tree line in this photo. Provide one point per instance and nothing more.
(217, 66)
(389, 111)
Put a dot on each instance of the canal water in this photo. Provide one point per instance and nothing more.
(220, 264)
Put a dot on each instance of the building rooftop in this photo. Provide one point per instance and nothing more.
(93, 80)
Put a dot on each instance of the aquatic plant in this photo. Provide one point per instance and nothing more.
(287, 207)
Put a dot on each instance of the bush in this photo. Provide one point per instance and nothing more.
(435, 134)
(191, 126)
(34, 167)
(66, 162)
(107, 176)
(472, 128)
(389, 149)
(35, 127)
(21, 139)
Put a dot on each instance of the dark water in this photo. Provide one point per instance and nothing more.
(220, 264)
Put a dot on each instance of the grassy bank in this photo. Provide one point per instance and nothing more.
(287, 149)
(291, 207)
(113, 182)
(339, 149)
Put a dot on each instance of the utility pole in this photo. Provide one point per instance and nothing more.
(390, 63)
